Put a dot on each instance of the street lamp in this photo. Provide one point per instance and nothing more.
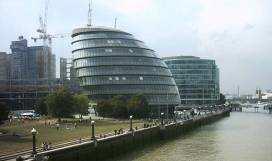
(130, 122)
(34, 132)
(162, 118)
(92, 124)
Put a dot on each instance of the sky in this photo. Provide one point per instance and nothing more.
(236, 33)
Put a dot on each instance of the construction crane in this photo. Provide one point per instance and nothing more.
(42, 30)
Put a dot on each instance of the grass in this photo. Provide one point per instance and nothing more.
(51, 134)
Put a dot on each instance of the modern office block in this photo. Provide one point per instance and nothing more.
(197, 79)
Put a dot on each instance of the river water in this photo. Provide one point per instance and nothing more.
(240, 137)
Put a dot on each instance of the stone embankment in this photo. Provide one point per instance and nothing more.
(111, 146)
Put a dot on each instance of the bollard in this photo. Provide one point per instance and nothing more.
(34, 132)
(130, 123)
(93, 136)
(162, 118)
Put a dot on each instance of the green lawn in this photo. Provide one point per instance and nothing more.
(51, 134)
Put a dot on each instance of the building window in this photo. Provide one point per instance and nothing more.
(141, 78)
(108, 50)
(110, 78)
(124, 78)
(110, 41)
(117, 78)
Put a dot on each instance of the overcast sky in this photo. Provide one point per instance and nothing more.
(236, 33)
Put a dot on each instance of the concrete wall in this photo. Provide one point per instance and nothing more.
(116, 145)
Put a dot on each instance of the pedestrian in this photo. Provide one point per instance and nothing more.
(49, 146)
(43, 146)
(46, 146)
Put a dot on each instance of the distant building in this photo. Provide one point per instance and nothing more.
(197, 79)
(31, 63)
(31, 74)
(41, 63)
(68, 75)
(67, 71)
(63, 69)
(267, 96)
(19, 59)
(4, 66)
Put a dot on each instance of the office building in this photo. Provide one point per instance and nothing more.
(4, 66)
(19, 59)
(41, 63)
(31, 74)
(197, 79)
(63, 69)
(31, 63)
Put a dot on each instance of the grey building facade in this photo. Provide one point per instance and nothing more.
(112, 62)
(31, 63)
(63, 69)
(28, 74)
(197, 79)
(41, 63)
(4, 66)
(19, 59)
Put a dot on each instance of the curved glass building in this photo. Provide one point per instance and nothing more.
(112, 62)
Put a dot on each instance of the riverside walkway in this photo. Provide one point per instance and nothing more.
(158, 127)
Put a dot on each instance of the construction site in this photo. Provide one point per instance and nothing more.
(28, 73)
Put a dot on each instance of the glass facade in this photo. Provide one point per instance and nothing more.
(197, 79)
(112, 62)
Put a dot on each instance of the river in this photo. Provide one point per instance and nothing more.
(240, 137)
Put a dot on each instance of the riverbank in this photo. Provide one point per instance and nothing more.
(240, 137)
(19, 138)
(112, 146)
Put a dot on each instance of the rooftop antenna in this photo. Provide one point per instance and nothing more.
(115, 22)
(90, 14)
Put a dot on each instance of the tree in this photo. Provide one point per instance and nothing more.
(138, 106)
(222, 99)
(4, 112)
(104, 108)
(41, 107)
(119, 107)
(81, 104)
(60, 104)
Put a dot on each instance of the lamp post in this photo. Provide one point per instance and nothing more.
(130, 122)
(34, 132)
(92, 124)
(162, 118)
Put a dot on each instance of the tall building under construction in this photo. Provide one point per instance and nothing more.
(31, 63)
(27, 74)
